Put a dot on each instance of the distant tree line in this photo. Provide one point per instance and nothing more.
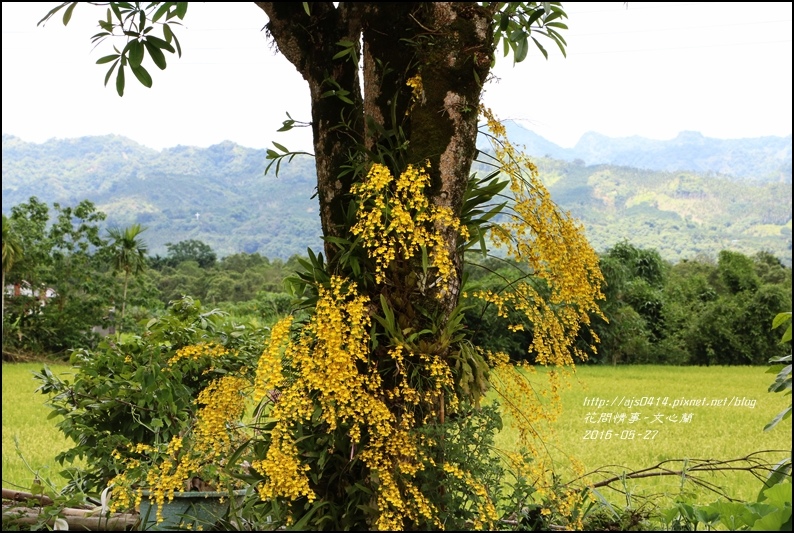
(66, 284)
(698, 312)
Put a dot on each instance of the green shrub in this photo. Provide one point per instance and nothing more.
(137, 392)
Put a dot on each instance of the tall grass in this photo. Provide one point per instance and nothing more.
(714, 432)
(25, 421)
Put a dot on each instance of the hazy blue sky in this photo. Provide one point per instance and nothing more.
(649, 69)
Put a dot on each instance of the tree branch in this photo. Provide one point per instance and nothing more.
(752, 463)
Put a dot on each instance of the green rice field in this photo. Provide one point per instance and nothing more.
(629, 417)
(690, 413)
(25, 421)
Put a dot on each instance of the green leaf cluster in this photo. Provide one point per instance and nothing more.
(134, 24)
(782, 381)
(515, 22)
(771, 512)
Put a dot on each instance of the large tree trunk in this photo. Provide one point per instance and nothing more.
(310, 43)
(444, 50)
(447, 44)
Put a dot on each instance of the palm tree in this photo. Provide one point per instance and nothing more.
(12, 252)
(128, 256)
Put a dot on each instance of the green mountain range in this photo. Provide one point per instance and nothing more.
(221, 195)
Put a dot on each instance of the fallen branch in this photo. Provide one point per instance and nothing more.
(752, 463)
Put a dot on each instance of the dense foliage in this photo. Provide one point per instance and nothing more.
(61, 286)
(67, 285)
(701, 311)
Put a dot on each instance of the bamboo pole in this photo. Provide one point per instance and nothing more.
(19, 496)
(78, 519)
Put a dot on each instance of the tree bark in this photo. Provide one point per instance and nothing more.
(310, 42)
(123, 302)
(445, 50)
(448, 44)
